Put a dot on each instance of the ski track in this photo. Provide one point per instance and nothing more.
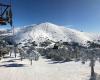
(44, 69)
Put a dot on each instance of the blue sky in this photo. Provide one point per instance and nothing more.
(83, 15)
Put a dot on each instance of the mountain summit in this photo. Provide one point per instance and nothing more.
(45, 31)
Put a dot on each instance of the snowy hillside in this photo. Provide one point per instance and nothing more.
(44, 31)
(44, 69)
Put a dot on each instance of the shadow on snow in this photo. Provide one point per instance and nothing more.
(7, 57)
(95, 77)
(8, 61)
(12, 65)
(55, 62)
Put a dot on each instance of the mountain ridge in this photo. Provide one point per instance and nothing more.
(45, 31)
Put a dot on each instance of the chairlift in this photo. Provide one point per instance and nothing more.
(5, 13)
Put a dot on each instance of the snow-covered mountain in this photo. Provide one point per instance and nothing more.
(45, 31)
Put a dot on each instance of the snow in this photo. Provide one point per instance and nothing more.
(44, 69)
(44, 31)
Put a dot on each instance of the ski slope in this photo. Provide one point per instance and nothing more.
(44, 69)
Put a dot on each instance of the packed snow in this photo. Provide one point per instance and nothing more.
(44, 69)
